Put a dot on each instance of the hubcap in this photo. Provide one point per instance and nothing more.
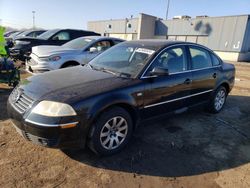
(114, 132)
(219, 100)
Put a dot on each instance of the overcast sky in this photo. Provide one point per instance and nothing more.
(76, 13)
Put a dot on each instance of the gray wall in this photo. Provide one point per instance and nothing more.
(146, 26)
(218, 33)
(246, 43)
(117, 26)
(228, 33)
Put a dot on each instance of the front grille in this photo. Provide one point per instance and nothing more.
(38, 140)
(20, 101)
(26, 135)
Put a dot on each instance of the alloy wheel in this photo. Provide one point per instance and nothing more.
(114, 133)
(219, 100)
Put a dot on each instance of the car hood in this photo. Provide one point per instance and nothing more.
(71, 84)
(48, 50)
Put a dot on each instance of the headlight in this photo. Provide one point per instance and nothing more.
(17, 42)
(53, 109)
(52, 58)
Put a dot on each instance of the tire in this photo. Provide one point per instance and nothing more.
(107, 139)
(218, 100)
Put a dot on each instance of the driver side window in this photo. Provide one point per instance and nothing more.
(173, 59)
(101, 45)
(62, 36)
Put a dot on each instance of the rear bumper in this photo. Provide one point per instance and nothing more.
(47, 135)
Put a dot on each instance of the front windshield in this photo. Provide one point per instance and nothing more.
(78, 43)
(46, 35)
(124, 59)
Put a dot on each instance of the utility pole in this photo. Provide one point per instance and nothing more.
(33, 13)
(168, 2)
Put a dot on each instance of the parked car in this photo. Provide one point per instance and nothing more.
(21, 34)
(76, 52)
(102, 103)
(9, 39)
(22, 47)
(8, 33)
(30, 33)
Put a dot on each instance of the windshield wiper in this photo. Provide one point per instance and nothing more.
(120, 74)
(92, 67)
(127, 75)
(108, 71)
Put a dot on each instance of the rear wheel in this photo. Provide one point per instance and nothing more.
(111, 132)
(218, 100)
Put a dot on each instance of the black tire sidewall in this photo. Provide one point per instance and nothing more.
(94, 141)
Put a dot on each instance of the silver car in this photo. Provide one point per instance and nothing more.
(76, 52)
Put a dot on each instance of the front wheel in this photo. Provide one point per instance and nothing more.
(111, 132)
(218, 100)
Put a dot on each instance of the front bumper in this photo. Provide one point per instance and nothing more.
(34, 67)
(49, 135)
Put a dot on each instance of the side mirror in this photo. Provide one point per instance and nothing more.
(93, 49)
(159, 71)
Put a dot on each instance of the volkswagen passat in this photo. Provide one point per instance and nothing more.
(101, 104)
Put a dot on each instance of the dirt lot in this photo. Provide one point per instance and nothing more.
(194, 149)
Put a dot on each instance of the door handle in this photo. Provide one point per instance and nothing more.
(188, 81)
(214, 75)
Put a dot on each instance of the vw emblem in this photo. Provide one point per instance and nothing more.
(15, 95)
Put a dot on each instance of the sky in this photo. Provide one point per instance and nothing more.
(52, 14)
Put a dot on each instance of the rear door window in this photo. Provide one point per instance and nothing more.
(200, 58)
(215, 60)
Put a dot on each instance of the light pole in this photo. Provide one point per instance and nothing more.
(168, 2)
(33, 13)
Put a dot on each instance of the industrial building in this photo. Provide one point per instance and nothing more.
(228, 36)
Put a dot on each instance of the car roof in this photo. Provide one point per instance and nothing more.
(155, 42)
(100, 38)
(161, 43)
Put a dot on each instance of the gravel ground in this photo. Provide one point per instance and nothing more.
(193, 149)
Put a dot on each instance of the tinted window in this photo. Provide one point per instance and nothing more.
(46, 35)
(78, 43)
(200, 58)
(102, 45)
(215, 60)
(62, 36)
(172, 59)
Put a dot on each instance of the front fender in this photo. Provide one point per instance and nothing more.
(96, 105)
(108, 100)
